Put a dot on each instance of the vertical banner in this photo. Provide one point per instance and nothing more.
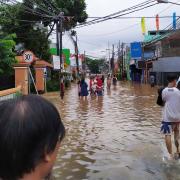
(174, 20)
(157, 22)
(143, 25)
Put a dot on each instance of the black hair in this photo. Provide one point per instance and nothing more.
(178, 85)
(171, 78)
(30, 127)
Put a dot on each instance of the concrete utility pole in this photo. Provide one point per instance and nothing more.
(61, 18)
(77, 55)
(59, 30)
(85, 63)
(109, 58)
(112, 60)
(119, 54)
(122, 56)
(74, 41)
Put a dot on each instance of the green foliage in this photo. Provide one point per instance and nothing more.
(13, 16)
(52, 85)
(18, 94)
(75, 9)
(7, 57)
(95, 65)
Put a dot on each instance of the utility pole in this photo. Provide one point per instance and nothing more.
(85, 63)
(112, 60)
(71, 35)
(77, 54)
(61, 18)
(119, 56)
(109, 58)
(59, 30)
(122, 53)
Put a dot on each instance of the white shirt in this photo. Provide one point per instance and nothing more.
(171, 97)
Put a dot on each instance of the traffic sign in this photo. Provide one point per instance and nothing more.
(28, 56)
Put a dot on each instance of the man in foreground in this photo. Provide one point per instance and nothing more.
(30, 134)
(171, 114)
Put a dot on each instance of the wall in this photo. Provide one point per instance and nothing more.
(167, 64)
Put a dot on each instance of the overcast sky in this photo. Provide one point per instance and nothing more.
(94, 39)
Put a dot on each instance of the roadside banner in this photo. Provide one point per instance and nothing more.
(174, 21)
(157, 22)
(143, 25)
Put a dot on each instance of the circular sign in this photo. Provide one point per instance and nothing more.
(28, 56)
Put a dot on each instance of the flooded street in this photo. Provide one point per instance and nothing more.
(116, 137)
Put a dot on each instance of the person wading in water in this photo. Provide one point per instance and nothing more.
(171, 115)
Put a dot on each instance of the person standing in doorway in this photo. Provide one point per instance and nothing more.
(171, 115)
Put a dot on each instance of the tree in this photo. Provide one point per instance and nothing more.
(75, 9)
(7, 57)
(96, 66)
(39, 11)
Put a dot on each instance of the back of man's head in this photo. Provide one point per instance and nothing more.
(171, 78)
(30, 128)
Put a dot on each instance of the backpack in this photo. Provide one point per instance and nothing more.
(160, 101)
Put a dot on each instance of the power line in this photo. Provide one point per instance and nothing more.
(138, 17)
(40, 7)
(118, 14)
(174, 3)
(27, 9)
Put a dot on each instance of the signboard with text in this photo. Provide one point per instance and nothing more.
(136, 50)
(56, 62)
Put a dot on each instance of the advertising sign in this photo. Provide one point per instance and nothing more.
(136, 50)
(73, 60)
(56, 62)
(66, 53)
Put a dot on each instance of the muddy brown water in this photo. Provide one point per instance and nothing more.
(115, 137)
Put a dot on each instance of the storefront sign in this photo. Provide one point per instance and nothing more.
(136, 50)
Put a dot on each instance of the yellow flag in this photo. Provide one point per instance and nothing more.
(143, 25)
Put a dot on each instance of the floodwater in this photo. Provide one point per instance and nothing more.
(115, 137)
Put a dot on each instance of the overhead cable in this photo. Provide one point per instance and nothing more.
(109, 18)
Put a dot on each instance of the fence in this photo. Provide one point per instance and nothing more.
(10, 93)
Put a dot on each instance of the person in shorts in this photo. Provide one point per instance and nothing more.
(171, 114)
